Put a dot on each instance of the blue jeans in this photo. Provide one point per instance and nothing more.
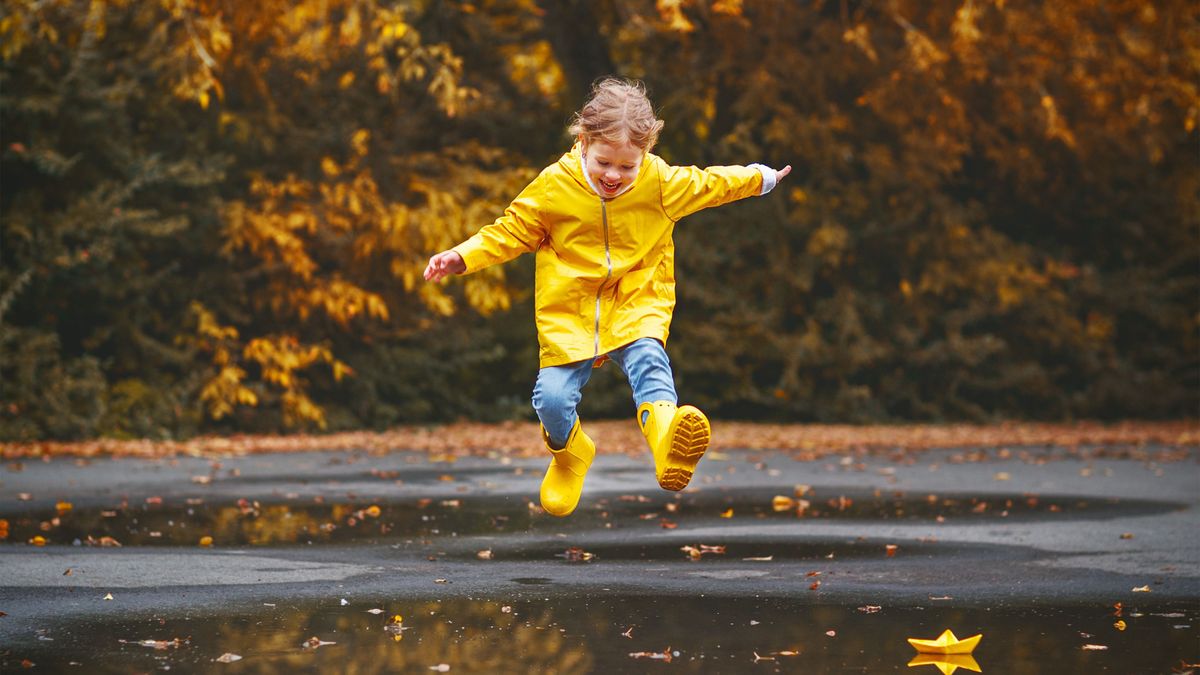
(558, 389)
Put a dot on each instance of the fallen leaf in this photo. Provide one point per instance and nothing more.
(814, 585)
(727, 513)
(485, 554)
(1088, 648)
(576, 554)
(870, 609)
(67, 573)
(765, 558)
(373, 511)
(705, 548)
(375, 610)
(202, 480)
(782, 503)
(1141, 589)
(38, 540)
(891, 550)
(63, 508)
(157, 644)
(664, 655)
(344, 602)
(227, 657)
(1127, 535)
(831, 633)
(1002, 475)
(24, 497)
(628, 633)
(1119, 625)
(441, 668)
(206, 541)
(314, 642)
(108, 596)
(440, 581)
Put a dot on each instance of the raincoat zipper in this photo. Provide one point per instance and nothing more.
(607, 276)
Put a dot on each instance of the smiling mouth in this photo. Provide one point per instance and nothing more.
(609, 187)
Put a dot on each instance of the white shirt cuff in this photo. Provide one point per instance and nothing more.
(768, 175)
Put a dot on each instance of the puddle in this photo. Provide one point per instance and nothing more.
(613, 634)
(251, 523)
(733, 550)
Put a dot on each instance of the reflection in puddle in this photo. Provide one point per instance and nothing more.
(613, 634)
(251, 523)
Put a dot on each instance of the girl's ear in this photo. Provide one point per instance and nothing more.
(582, 145)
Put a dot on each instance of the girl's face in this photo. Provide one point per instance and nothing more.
(612, 167)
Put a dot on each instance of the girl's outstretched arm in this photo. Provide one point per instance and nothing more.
(443, 265)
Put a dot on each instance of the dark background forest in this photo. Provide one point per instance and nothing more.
(215, 213)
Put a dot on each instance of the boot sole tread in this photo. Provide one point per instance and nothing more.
(688, 444)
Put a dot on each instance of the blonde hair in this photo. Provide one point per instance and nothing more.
(618, 111)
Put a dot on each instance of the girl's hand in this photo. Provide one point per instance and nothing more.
(443, 265)
(782, 172)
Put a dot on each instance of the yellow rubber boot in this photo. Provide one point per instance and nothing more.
(678, 438)
(564, 478)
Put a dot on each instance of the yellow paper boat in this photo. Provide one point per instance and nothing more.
(947, 663)
(946, 643)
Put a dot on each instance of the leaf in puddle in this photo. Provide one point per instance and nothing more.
(228, 657)
(315, 642)
(1090, 647)
(782, 503)
(665, 655)
(576, 554)
(155, 644)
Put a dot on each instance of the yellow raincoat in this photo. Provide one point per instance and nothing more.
(605, 267)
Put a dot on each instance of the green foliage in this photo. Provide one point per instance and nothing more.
(214, 214)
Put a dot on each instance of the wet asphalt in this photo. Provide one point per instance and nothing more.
(1002, 529)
